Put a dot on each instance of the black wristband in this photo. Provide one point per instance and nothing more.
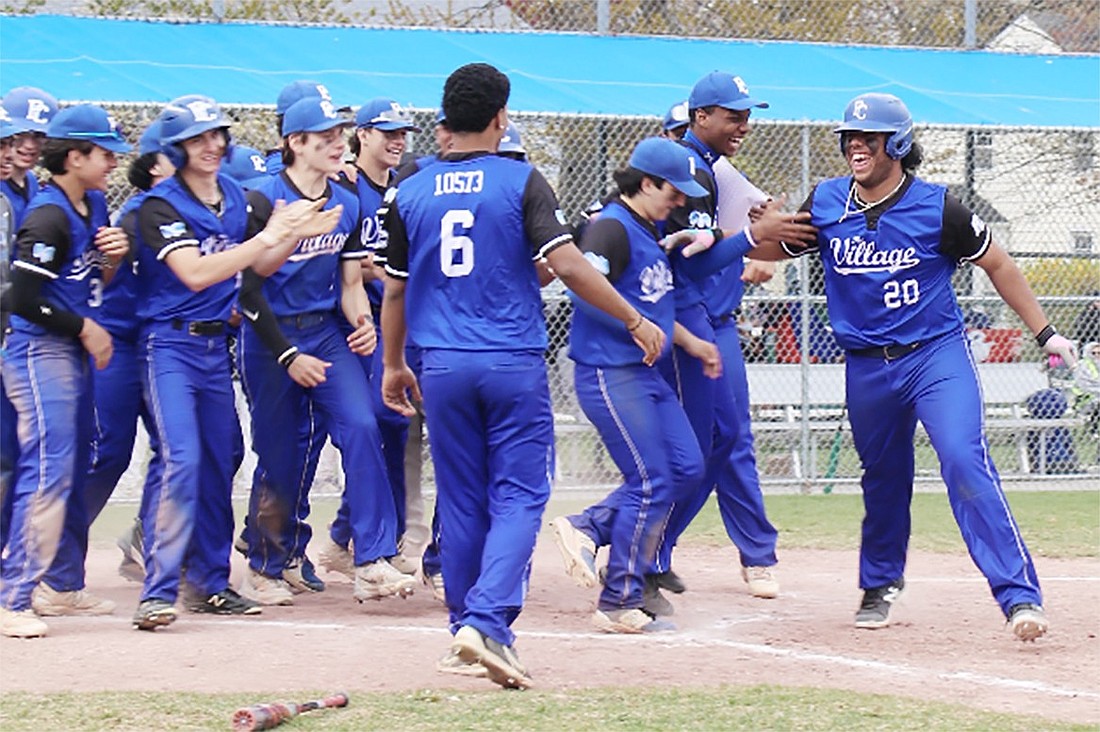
(288, 357)
(632, 328)
(718, 234)
(1045, 335)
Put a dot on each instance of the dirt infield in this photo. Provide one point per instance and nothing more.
(950, 642)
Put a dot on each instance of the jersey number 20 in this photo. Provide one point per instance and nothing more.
(905, 293)
(456, 251)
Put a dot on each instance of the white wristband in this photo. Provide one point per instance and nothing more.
(748, 235)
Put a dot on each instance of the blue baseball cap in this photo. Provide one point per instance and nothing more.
(441, 117)
(663, 158)
(31, 109)
(384, 114)
(246, 165)
(296, 91)
(676, 116)
(8, 128)
(720, 89)
(88, 123)
(312, 114)
(149, 142)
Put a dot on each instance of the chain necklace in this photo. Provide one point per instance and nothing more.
(864, 207)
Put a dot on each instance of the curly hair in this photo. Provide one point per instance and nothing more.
(473, 95)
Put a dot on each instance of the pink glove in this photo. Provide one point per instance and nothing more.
(1059, 348)
(680, 238)
(704, 240)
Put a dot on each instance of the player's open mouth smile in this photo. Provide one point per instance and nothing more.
(859, 162)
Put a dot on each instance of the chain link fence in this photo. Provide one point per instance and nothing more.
(1032, 26)
(1039, 190)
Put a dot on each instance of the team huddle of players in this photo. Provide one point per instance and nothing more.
(354, 295)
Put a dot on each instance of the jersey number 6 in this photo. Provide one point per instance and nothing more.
(456, 250)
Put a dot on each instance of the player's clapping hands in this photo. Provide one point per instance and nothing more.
(364, 339)
(301, 219)
(112, 242)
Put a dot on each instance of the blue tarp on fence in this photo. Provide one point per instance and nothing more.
(137, 61)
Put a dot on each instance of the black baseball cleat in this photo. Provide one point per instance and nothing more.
(226, 602)
(671, 581)
(878, 604)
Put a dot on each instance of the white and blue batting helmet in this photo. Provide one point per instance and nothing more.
(876, 112)
(512, 143)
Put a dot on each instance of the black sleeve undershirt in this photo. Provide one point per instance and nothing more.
(254, 306)
(45, 226)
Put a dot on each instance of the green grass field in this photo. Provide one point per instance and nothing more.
(1058, 524)
(630, 710)
(1053, 523)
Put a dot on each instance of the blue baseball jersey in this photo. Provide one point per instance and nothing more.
(273, 161)
(623, 246)
(118, 314)
(309, 280)
(372, 233)
(20, 196)
(172, 218)
(57, 243)
(888, 271)
(697, 213)
(466, 232)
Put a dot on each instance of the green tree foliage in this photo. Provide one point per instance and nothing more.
(21, 7)
(288, 11)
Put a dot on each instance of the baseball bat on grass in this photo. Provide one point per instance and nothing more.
(268, 716)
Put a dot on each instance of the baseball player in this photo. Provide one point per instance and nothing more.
(674, 125)
(31, 109)
(379, 141)
(66, 252)
(464, 235)
(288, 95)
(27, 112)
(720, 107)
(720, 104)
(890, 243)
(245, 166)
(295, 359)
(117, 404)
(192, 245)
(579, 536)
(9, 441)
(431, 565)
(636, 412)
